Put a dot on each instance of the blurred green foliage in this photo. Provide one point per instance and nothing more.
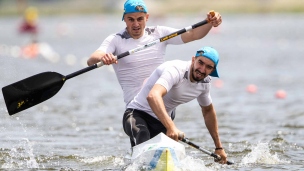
(63, 7)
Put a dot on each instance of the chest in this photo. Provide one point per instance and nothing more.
(186, 91)
(139, 53)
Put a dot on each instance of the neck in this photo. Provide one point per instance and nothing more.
(135, 36)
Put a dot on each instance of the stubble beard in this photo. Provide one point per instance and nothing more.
(197, 78)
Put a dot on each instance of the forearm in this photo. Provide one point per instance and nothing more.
(200, 32)
(197, 33)
(95, 57)
(212, 126)
(214, 20)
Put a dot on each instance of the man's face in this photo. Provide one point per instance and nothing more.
(201, 67)
(136, 23)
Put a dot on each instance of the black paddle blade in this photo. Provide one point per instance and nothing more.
(31, 91)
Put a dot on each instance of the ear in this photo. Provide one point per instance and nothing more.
(193, 59)
(147, 16)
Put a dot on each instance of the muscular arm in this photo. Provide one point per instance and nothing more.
(211, 124)
(98, 55)
(196, 33)
(95, 57)
(202, 31)
(155, 100)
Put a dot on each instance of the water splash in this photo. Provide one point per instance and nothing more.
(187, 164)
(261, 154)
(193, 164)
(21, 156)
(110, 160)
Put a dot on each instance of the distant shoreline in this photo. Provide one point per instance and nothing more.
(159, 7)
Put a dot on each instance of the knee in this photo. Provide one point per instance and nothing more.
(142, 136)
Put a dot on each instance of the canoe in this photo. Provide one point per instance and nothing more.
(159, 153)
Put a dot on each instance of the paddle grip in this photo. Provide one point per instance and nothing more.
(216, 157)
(212, 13)
(123, 55)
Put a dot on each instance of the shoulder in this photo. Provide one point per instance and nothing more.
(178, 67)
(179, 64)
(170, 73)
(159, 30)
(165, 28)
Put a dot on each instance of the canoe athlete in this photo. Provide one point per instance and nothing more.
(174, 83)
(132, 70)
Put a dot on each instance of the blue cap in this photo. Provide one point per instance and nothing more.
(211, 54)
(132, 6)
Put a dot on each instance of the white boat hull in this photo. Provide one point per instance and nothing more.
(159, 153)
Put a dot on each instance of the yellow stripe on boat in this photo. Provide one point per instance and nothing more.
(164, 159)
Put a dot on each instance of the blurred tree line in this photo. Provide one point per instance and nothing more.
(58, 7)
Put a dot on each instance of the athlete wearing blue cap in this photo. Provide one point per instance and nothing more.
(174, 83)
(132, 70)
(133, 6)
(211, 54)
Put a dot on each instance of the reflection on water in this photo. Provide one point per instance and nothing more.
(80, 127)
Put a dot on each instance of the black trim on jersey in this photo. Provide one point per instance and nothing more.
(124, 35)
(206, 80)
(150, 30)
(186, 75)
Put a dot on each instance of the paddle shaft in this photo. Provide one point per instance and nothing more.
(217, 157)
(162, 39)
(40, 87)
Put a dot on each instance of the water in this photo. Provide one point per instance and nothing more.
(80, 127)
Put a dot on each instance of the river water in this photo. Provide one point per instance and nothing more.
(80, 127)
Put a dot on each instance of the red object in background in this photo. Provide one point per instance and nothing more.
(281, 94)
(28, 28)
(30, 51)
(29, 23)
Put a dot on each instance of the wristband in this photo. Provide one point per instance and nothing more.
(219, 148)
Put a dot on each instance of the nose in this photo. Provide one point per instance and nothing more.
(135, 23)
(203, 67)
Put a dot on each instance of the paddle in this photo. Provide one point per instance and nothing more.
(217, 157)
(38, 88)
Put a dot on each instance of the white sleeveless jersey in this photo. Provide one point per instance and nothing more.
(175, 77)
(133, 69)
